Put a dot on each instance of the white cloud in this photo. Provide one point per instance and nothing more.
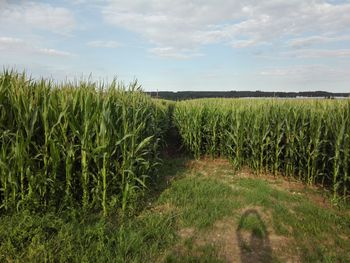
(245, 43)
(103, 44)
(189, 25)
(166, 24)
(33, 15)
(78, 2)
(54, 52)
(308, 73)
(17, 45)
(8, 42)
(314, 40)
(170, 52)
(319, 53)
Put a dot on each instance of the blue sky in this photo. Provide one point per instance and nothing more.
(271, 45)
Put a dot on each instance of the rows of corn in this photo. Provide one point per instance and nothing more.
(80, 144)
(309, 139)
(94, 146)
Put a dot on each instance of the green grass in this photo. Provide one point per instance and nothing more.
(201, 254)
(194, 197)
(201, 201)
(27, 237)
(251, 221)
(81, 179)
(322, 234)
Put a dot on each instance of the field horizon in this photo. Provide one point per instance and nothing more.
(198, 94)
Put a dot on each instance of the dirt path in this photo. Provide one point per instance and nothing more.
(264, 221)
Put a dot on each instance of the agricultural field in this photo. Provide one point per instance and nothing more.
(309, 139)
(91, 172)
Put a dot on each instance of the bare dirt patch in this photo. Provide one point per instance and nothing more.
(206, 163)
(239, 245)
(163, 208)
(291, 185)
(312, 193)
(187, 232)
(222, 169)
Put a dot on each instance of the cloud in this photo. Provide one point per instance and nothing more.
(42, 16)
(319, 53)
(10, 42)
(170, 52)
(245, 43)
(103, 44)
(240, 24)
(314, 40)
(312, 73)
(17, 45)
(54, 52)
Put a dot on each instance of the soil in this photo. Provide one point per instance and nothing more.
(239, 246)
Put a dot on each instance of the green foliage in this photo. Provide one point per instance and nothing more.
(203, 254)
(315, 230)
(73, 155)
(202, 201)
(305, 138)
(192, 200)
(75, 144)
(52, 237)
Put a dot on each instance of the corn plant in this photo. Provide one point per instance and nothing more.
(308, 139)
(76, 143)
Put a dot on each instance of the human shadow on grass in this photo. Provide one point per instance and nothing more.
(253, 238)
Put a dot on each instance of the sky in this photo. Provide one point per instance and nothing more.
(179, 45)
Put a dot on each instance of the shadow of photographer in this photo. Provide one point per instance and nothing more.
(253, 238)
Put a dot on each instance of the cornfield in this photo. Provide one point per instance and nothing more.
(80, 144)
(90, 145)
(309, 139)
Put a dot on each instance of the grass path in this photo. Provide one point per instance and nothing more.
(227, 216)
(198, 211)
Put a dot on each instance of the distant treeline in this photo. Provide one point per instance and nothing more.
(184, 95)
